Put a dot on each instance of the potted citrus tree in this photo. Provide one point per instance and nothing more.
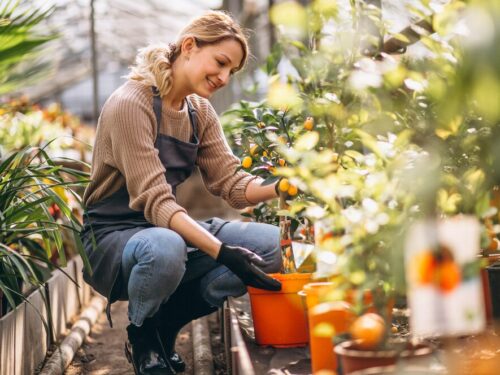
(254, 123)
(403, 148)
(373, 131)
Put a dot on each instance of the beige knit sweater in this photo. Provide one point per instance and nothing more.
(124, 152)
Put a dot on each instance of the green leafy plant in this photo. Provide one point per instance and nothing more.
(394, 138)
(34, 213)
(20, 44)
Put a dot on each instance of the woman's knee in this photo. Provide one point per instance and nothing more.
(263, 239)
(164, 250)
(219, 284)
(269, 248)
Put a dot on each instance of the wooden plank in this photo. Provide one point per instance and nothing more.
(58, 314)
(266, 359)
(72, 304)
(11, 341)
(226, 333)
(80, 281)
(35, 334)
(84, 291)
(240, 360)
(23, 337)
(7, 343)
(77, 267)
(20, 338)
(64, 302)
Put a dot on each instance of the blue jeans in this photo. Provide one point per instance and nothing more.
(156, 260)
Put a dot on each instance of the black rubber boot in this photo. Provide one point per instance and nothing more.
(185, 305)
(144, 350)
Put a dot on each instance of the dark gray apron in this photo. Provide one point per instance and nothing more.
(110, 223)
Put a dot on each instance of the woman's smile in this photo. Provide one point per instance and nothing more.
(212, 85)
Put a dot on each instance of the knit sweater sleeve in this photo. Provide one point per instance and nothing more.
(132, 150)
(218, 164)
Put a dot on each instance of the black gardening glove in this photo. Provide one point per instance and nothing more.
(243, 263)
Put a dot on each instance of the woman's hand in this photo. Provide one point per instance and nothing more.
(243, 263)
(256, 192)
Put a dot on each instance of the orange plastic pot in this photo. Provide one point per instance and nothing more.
(339, 316)
(315, 292)
(279, 318)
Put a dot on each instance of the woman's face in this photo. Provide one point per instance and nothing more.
(210, 67)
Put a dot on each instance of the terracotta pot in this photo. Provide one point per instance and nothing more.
(393, 370)
(353, 359)
(279, 318)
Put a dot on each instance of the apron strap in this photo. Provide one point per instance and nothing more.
(157, 109)
(157, 105)
(194, 121)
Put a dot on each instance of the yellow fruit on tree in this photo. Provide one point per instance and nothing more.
(284, 185)
(261, 125)
(246, 162)
(253, 149)
(292, 190)
(265, 154)
(309, 123)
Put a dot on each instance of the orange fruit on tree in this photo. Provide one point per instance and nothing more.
(369, 329)
(292, 190)
(424, 267)
(448, 276)
(309, 123)
(281, 162)
(283, 185)
(246, 162)
(493, 245)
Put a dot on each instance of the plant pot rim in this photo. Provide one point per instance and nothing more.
(412, 370)
(494, 266)
(291, 276)
(292, 283)
(347, 349)
(317, 284)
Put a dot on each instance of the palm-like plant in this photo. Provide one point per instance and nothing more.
(30, 187)
(19, 44)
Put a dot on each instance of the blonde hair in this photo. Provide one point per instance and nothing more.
(153, 64)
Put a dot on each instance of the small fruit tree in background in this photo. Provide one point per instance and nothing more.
(375, 141)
